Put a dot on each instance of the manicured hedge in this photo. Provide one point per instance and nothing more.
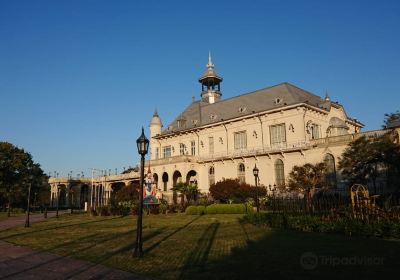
(219, 209)
(343, 225)
(195, 210)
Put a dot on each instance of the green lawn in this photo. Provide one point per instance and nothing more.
(3, 215)
(209, 246)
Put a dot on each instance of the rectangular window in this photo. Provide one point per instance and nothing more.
(315, 131)
(278, 133)
(182, 148)
(240, 140)
(193, 148)
(167, 151)
(211, 145)
(157, 153)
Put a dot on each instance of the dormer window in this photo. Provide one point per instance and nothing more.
(278, 101)
(242, 110)
(181, 122)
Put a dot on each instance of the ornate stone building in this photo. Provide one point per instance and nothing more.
(274, 128)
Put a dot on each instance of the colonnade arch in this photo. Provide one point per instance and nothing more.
(191, 177)
(176, 178)
(165, 181)
(155, 179)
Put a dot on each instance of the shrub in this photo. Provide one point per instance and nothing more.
(180, 208)
(17, 210)
(203, 201)
(125, 208)
(227, 209)
(226, 190)
(104, 211)
(232, 190)
(163, 206)
(171, 208)
(195, 210)
(93, 212)
(344, 225)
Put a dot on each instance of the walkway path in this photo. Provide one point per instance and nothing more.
(23, 263)
(20, 220)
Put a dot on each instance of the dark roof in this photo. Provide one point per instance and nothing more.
(394, 123)
(201, 113)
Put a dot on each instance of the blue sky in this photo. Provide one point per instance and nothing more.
(78, 79)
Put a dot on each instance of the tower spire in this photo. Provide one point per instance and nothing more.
(210, 83)
(209, 64)
(327, 97)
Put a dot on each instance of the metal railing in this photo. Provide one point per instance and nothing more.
(174, 159)
(258, 150)
(347, 137)
(287, 146)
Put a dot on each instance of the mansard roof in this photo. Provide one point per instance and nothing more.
(201, 113)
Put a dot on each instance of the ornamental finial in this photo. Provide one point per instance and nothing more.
(209, 64)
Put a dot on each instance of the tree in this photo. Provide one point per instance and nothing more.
(127, 193)
(233, 190)
(307, 179)
(365, 159)
(390, 119)
(355, 164)
(17, 171)
(189, 191)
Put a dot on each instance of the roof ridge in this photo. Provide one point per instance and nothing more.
(243, 94)
(306, 91)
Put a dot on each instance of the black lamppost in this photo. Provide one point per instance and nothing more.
(34, 202)
(255, 172)
(72, 200)
(143, 146)
(58, 198)
(28, 206)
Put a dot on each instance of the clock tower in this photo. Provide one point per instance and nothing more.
(210, 83)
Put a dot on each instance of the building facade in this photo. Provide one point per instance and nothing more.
(274, 128)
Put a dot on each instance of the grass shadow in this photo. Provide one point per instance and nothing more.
(83, 240)
(285, 255)
(199, 255)
(152, 247)
(56, 227)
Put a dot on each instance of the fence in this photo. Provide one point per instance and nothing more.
(317, 205)
(335, 205)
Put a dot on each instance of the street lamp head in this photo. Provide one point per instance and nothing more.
(255, 171)
(142, 144)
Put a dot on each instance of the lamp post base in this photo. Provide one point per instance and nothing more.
(137, 253)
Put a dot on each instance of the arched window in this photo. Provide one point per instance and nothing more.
(165, 180)
(279, 173)
(330, 178)
(211, 175)
(155, 179)
(241, 173)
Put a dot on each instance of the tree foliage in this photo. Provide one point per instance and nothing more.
(390, 119)
(17, 171)
(367, 158)
(232, 190)
(127, 193)
(188, 191)
(307, 179)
